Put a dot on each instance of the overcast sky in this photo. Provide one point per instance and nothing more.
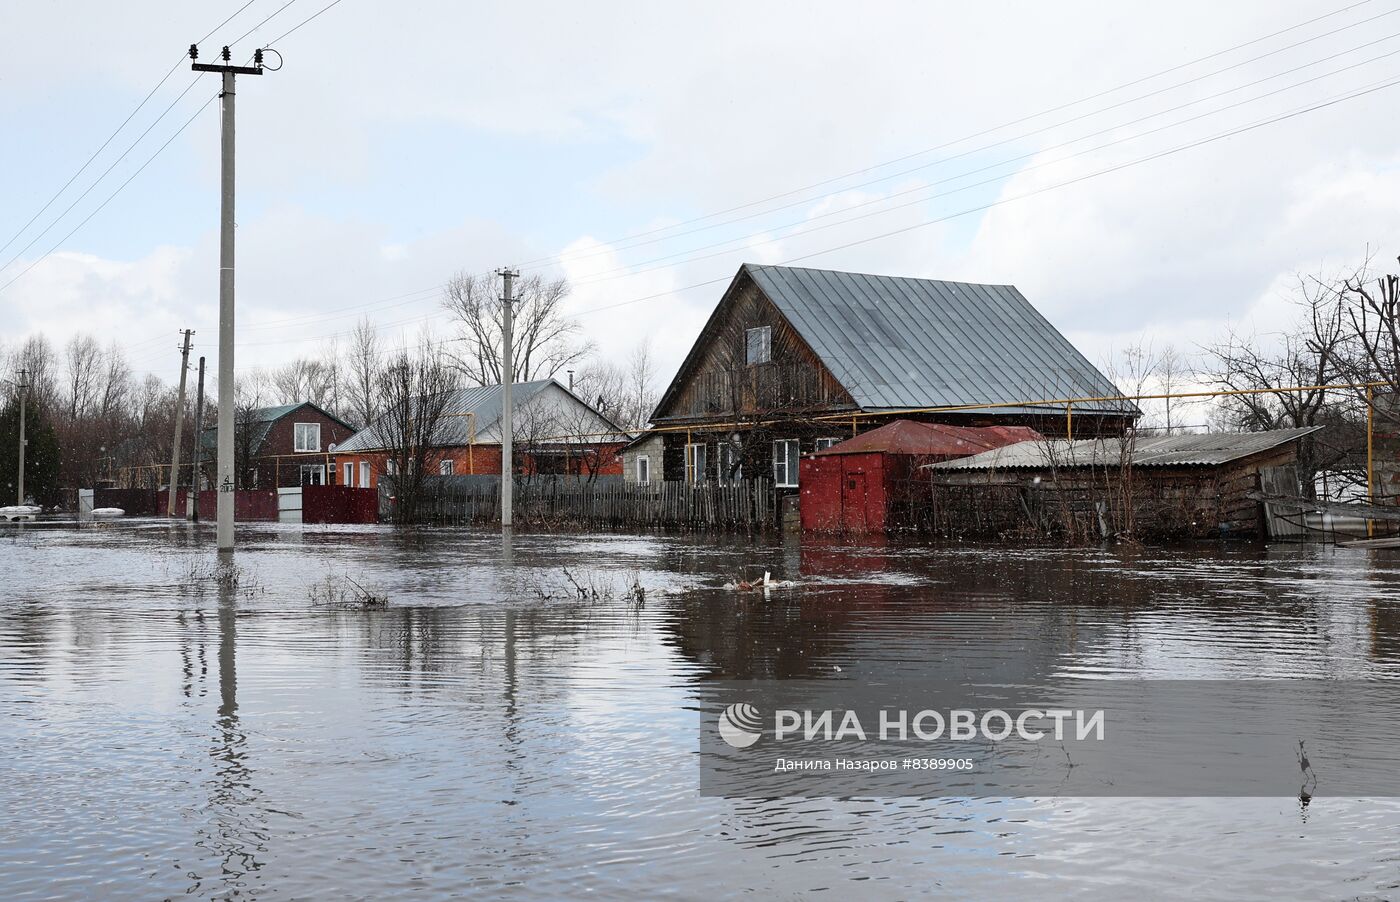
(401, 143)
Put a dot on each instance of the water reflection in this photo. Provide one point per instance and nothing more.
(233, 829)
(475, 739)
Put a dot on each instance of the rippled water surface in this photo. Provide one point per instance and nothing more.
(489, 733)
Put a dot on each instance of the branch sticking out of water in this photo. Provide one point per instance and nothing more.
(343, 592)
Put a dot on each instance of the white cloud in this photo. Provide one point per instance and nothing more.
(690, 111)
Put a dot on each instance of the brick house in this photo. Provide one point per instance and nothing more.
(555, 432)
(283, 446)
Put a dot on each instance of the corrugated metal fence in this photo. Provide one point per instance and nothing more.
(603, 501)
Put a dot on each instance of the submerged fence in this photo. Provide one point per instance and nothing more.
(608, 501)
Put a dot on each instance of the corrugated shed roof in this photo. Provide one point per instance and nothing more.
(476, 413)
(931, 439)
(897, 342)
(1208, 449)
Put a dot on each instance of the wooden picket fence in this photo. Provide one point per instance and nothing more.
(747, 505)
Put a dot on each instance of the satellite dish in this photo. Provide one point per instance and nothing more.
(331, 447)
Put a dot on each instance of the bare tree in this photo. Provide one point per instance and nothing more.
(1309, 354)
(308, 379)
(83, 362)
(250, 394)
(1172, 371)
(546, 341)
(1372, 312)
(35, 355)
(605, 387)
(362, 374)
(416, 389)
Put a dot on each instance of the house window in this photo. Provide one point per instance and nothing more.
(391, 467)
(306, 437)
(785, 463)
(827, 442)
(364, 474)
(730, 470)
(644, 469)
(694, 463)
(350, 474)
(313, 474)
(759, 344)
(445, 467)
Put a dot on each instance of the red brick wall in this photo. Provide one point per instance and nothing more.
(476, 460)
(281, 440)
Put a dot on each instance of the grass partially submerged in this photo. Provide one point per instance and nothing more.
(342, 592)
(589, 585)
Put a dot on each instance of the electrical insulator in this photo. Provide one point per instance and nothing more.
(225, 54)
(257, 57)
(194, 51)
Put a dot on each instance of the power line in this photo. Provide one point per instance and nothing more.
(805, 226)
(274, 14)
(801, 201)
(977, 209)
(922, 189)
(313, 16)
(1046, 112)
(81, 169)
(100, 206)
(88, 190)
(131, 147)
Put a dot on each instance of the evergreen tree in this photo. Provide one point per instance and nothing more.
(41, 459)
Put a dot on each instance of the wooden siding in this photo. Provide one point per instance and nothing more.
(716, 382)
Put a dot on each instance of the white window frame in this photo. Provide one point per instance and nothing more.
(297, 444)
(349, 470)
(445, 467)
(391, 467)
(722, 466)
(789, 479)
(643, 469)
(764, 352)
(315, 469)
(827, 441)
(695, 456)
(364, 474)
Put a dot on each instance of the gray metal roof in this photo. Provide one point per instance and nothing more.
(906, 343)
(1207, 449)
(474, 414)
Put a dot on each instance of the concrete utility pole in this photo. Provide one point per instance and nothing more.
(507, 408)
(192, 503)
(23, 396)
(179, 424)
(225, 453)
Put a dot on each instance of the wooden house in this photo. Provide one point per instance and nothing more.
(793, 361)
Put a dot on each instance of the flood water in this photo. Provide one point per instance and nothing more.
(166, 735)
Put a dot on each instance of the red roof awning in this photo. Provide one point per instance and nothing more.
(932, 439)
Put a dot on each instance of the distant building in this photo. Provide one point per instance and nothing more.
(283, 446)
(555, 432)
(793, 361)
(641, 460)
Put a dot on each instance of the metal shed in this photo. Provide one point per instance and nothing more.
(872, 483)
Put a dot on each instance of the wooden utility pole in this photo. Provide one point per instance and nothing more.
(507, 408)
(225, 453)
(179, 424)
(192, 507)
